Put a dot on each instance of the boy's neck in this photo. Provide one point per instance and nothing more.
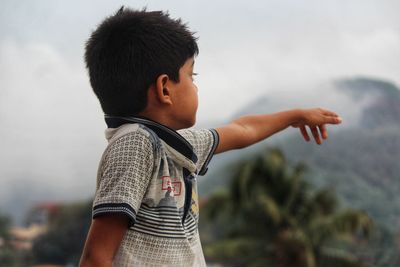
(161, 118)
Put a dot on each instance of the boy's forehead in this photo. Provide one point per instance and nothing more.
(189, 63)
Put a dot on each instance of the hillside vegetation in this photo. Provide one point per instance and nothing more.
(360, 160)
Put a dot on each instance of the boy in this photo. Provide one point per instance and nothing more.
(145, 211)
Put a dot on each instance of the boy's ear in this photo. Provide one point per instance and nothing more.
(162, 90)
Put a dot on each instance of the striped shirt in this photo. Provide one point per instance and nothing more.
(148, 172)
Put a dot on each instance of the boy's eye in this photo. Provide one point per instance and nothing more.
(194, 74)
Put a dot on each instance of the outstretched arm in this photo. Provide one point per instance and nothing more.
(248, 130)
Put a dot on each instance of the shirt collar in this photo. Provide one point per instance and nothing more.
(168, 135)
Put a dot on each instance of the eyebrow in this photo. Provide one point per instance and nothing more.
(192, 63)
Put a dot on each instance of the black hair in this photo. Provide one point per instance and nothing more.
(128, 52)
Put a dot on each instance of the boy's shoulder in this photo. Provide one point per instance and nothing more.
(128, 140)
(145, 136)
(130, 130)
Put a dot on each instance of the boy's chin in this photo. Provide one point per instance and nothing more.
(193, 122)
(188, 123)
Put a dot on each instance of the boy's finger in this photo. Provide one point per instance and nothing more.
(315, 133)
(334, 120)
(324, 132)
(330, 113)
(304, 133)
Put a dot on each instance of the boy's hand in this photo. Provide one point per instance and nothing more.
(248, 130)
(316, 119)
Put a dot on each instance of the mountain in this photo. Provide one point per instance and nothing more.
(360, 160)
(384, 110)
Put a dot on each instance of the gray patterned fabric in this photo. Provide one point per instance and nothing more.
(141, 176)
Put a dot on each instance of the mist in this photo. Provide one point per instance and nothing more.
(283, 52)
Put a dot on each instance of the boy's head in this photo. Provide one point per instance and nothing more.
(129, 51)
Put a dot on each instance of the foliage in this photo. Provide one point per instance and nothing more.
(271, 216)
(360, 159)
(361, 165)
(8, 257)
(4, 226)
(63, 243)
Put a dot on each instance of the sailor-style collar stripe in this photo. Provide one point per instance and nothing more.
(168, 135)
(204, 168)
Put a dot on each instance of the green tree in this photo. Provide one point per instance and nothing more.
(270, 217)
(4, 226)
(8, 257)
(63, 242)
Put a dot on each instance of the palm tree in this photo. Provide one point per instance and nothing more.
(271, 218)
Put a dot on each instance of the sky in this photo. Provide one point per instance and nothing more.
(51, 119)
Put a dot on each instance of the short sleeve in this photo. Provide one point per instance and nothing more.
(124, 175)
(204, 142)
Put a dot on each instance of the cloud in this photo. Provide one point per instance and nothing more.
(242, 71)
(51, 123)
